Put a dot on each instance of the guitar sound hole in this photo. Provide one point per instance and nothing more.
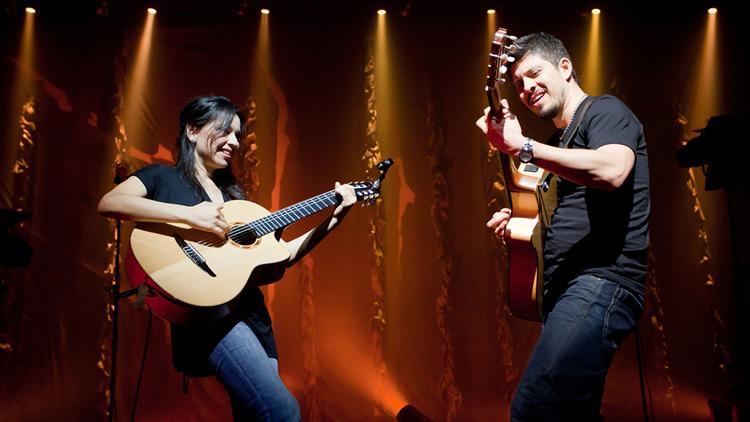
(243, 236)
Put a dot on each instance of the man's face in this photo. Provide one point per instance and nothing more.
(540, 85)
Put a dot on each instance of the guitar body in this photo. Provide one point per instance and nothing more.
(531, 196)
(523, 236)
(195, 278)
(186, 293)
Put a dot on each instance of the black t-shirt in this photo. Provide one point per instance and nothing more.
(192, 346)
(595, 231)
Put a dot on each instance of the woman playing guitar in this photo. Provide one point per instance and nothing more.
(239, 348)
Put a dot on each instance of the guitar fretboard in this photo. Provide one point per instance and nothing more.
(286, 216)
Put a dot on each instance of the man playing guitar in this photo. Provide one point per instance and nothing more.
(595, 247)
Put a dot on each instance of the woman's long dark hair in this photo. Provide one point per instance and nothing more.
(199, 112)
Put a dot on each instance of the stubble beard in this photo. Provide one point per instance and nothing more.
(550, 113)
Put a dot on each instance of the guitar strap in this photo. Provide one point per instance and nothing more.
(585, 104)
(141, 294)
(546, 192)
(578, 118)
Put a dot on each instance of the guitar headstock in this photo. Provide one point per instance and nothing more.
(369, 191)
(500, 58)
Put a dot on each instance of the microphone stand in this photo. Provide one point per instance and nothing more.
(116, 296)
(115, 290)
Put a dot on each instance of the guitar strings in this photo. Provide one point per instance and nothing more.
(268, 223)
(238, 234)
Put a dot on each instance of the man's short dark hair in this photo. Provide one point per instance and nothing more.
(546, 46)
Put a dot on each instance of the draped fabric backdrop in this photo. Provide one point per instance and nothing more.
(405, 301)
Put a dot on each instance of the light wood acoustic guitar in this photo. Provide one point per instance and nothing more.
(195, 278)
(532, 198)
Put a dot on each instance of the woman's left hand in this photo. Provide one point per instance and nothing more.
(348, 198)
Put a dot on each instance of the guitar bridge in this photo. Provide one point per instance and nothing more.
(193, 254)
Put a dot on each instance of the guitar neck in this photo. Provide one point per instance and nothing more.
(291, 214)
(493, 99)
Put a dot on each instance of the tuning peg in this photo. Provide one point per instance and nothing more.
(503, 70)
(385, 164)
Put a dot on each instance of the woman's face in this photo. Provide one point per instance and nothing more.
(214, 149)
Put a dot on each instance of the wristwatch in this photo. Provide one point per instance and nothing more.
(527, 152)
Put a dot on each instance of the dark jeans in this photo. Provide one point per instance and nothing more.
(564, 378)
(252, 379)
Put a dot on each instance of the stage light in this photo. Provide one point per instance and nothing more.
(592, 69)
(713, 10)
(265, 11)
(410, 413)
(728, 409)
(381, 12)
(30, 10)
(151, 10)
(701, 151)
(136, 82)
(704, 96)
(491, 11)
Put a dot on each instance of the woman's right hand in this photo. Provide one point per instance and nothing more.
(207, 216)
(499, 221)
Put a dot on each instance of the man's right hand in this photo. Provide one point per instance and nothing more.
(498, 221)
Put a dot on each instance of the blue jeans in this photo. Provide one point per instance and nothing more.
(252, 378)
(564, 378)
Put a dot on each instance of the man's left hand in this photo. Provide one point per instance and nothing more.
(503, 132)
